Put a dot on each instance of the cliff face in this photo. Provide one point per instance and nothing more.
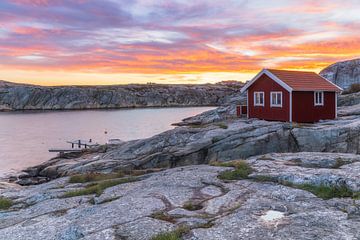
(343, 73)
(31, 97)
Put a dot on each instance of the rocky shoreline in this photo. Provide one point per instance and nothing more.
(213, 177)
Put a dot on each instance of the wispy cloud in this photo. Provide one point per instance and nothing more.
(176, 38)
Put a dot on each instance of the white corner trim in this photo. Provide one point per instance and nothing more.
(247, 102)
(290, 107)
(270, 75)
(271, 98)
(259, 104)
(322, 98)
(336, 105)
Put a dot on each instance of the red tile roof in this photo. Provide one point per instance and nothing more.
(304, 81)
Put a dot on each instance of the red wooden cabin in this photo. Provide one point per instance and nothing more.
(291, 96)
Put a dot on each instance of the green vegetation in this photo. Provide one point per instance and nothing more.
(327, 192)
(264, 178)
(209, 224)
(353, 88)
(93, 177)
(222, 125)
(173, 235)
(242, 170)
(192, 206)
(98, 188)
(162, 216)
(321, 191)
(5, 203)
(339, 162)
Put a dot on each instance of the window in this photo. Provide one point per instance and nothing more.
(259, 99)
(318, 98)
(276, 99)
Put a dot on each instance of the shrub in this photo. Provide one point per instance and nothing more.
(98, 188)
(5, 203)
(353, 88)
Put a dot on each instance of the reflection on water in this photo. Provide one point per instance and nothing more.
(26, 137)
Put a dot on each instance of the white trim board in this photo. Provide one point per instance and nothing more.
(270, 75)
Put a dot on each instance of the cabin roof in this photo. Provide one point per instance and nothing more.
(297, 81)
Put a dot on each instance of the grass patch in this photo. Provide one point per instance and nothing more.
(98, 188)
(209, 224)
(172, 235)
(192, 207)
(242, 170)
(322, 191)
(327, 192)
(222, 125)
(5, 203)
(162, 216)
(93, 177)
(264, 178)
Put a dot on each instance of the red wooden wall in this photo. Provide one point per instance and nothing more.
(266, 85)
(305, 111)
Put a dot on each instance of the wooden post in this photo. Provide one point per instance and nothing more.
(79, 143)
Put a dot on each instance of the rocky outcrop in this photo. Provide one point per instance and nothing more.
(349, 99)
(343, 73)
(218, 141)
(225, 210)
(30, 97)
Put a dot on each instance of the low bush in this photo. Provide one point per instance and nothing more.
(353, 88)
(5, 203)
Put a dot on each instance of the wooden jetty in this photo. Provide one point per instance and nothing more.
(76, 146)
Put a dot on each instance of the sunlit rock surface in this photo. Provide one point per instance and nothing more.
(242, 209)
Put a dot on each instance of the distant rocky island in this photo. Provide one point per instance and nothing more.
(31, 97)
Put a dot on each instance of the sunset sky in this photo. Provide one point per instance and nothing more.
(57, 42)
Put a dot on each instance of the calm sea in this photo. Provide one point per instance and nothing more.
(25, 137)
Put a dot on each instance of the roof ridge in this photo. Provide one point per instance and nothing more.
(273, 69)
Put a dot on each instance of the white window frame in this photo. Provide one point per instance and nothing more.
(263, 97)
(316, 103)
(271, 99)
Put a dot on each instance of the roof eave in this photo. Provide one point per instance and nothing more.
(270, 75)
